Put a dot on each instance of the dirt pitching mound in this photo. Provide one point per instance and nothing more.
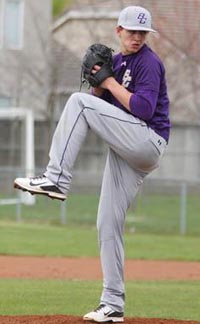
(61, 319)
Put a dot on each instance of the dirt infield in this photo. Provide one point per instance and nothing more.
(89, 268)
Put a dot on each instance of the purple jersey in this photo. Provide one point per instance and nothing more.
(143, 74)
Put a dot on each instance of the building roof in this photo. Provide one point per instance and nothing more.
(84, 15)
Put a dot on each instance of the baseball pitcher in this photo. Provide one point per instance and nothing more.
(129, 109)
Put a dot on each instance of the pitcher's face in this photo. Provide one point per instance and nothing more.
(131, 40)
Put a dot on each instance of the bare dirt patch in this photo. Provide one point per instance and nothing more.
(90, 269)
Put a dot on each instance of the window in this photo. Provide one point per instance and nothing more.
(12, 23)
(5, 102)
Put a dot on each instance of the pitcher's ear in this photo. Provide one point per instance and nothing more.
(118, 29)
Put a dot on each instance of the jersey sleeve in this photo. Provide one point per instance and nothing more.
(146, 89)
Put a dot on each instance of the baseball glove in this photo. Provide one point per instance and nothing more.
(97, 54)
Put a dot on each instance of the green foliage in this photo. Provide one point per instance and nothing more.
(59, 6)
(168, 299)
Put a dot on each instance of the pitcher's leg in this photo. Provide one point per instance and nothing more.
(119, 187)
(126, 135)
(66, 143)
(81, 112)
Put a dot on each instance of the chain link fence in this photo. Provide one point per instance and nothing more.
(162, 206)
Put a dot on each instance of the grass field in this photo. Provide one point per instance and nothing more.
(156, 214)
(40, 233)
(51, 240)
(162, 299)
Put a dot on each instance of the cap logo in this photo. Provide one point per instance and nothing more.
(141, 17)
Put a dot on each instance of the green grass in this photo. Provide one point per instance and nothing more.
(152, 232)
(49, 240)
(161, 213)
(178, 300)
(80, 209)
(156, 214)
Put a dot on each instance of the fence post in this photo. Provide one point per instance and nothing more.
(183, 213)
(63, 219)
(18, 211)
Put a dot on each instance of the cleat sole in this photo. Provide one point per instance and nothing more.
(16, 186)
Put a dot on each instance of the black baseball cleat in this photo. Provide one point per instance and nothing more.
(39, 185)
(104, 314)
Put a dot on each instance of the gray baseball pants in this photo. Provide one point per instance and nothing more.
(134, 151)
